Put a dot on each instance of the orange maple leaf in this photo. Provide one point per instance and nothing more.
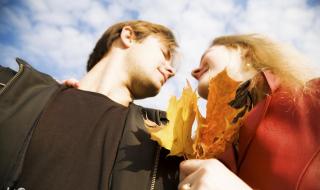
(216, 131)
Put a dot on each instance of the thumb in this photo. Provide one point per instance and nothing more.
(189, 166)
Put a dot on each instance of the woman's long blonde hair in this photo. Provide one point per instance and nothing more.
(263, 53)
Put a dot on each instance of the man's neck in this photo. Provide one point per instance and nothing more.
(109, 78)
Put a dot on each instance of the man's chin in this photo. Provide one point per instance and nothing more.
(147, 92)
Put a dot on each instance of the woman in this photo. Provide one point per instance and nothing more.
(279, 142)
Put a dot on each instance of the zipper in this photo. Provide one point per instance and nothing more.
(155, 168)
(21, 68)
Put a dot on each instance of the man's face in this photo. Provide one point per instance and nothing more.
(149, 66)
(215, 60)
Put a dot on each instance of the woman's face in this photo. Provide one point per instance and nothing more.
(215, 60)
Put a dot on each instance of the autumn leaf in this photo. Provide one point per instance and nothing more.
(217, 131)
(227, 106)
(176, 134)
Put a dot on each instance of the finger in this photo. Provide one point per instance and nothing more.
(186, 186)
(75, 84)
(189, 166)
(191, 179)
(71, 82)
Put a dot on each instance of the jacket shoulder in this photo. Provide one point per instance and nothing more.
(23, 96)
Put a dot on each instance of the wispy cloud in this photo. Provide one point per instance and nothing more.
(57, 36)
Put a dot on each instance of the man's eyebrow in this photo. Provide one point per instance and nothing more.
(169, 54)
(166, 52)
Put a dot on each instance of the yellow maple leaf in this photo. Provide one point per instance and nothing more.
(176, 134)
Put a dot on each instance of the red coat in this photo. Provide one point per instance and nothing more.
(279, 144)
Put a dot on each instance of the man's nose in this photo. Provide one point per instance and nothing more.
(170, 70)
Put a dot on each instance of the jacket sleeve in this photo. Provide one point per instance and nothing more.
(228, 158)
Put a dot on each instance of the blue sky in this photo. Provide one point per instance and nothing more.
(56, 36)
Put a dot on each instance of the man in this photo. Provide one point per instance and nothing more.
(93, 137)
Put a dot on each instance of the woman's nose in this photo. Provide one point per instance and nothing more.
(195, 73)
(198, 72)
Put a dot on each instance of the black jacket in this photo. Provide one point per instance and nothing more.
(23, 97)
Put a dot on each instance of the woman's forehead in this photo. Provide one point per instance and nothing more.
(222, 49)
(218, 49)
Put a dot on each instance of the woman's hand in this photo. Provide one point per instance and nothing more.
(208, 174)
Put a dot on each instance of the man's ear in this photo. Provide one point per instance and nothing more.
(127, 36)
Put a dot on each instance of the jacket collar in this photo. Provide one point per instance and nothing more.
(272, 80)
(248, 130)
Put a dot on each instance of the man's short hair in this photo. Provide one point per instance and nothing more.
(141, 29)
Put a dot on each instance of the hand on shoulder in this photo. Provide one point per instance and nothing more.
(71, 83)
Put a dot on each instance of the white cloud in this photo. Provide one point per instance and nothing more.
(99, 17)
(57, 36)
(290, 22)
(8, 55)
